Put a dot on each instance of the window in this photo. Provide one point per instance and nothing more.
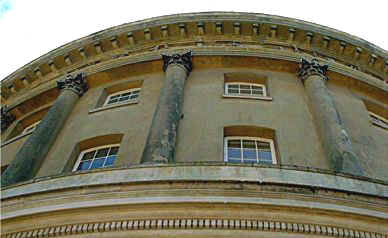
(249, 150)
(98, 157)
(30, 128)
(122, 97)
(378, 120)
(245, 89)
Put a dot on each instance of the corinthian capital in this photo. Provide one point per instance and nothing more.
(76, 83)
(181, 59)
(6, 118)
(306, 69)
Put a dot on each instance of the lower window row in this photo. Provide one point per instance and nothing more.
(236, 150)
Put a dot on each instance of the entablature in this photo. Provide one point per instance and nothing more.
(240, 30)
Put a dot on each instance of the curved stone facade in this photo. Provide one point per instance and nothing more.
(199, 125)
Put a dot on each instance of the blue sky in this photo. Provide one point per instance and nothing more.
(5, 6)
(31, 28)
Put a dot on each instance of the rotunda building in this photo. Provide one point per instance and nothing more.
(213, 124)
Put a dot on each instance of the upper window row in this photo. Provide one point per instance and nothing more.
(245, 89)
(122, 96)
(231, 89)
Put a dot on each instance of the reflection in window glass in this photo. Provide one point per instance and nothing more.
(245, 89)
(123, 96)
(97, 158)
(249, 150)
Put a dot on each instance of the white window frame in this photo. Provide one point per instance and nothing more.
(384, 123)
(242, 94)
(121, 92)
(88, 150)
(26, 130)
(271, 144)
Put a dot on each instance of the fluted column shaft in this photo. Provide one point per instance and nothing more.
(33, 152)
(336, 142)
(161, 140)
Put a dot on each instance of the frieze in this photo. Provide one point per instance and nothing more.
(193, 224)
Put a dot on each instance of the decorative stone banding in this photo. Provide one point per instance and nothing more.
(194, 224)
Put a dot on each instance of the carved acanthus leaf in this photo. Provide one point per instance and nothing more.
(307, 69)
(75, 83)
(182, 59)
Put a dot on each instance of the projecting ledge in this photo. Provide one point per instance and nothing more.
(216, 172)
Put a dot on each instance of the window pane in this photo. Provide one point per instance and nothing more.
(89, 155)
(231, 91)
(265, 156)
(245, 91)
(256, 92)
(112, 101)
(110, 161)
(249, 155)
(245, 87)
(133, 96)
(126, 94)
(124, 98)
(98, 163)
(232, 86)
(257, 87)
(84, 165)
(234, 153)
(114, 97)
(263, 145)
(113, 150)
(102, 153)
(234, 143)
(249, 144)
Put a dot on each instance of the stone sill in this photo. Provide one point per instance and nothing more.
(265, 98)
(210, 171)
(16, 138)
(113, 106)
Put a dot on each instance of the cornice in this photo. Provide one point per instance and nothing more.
(155, 32)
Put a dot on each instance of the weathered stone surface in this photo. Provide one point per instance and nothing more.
(335, 139)
(161, 141)
(30, 157)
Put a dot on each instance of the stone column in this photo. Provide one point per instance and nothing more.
(33, 152)
(161, 140)
(336, 142)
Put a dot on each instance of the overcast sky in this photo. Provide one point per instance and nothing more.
(31, 28)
